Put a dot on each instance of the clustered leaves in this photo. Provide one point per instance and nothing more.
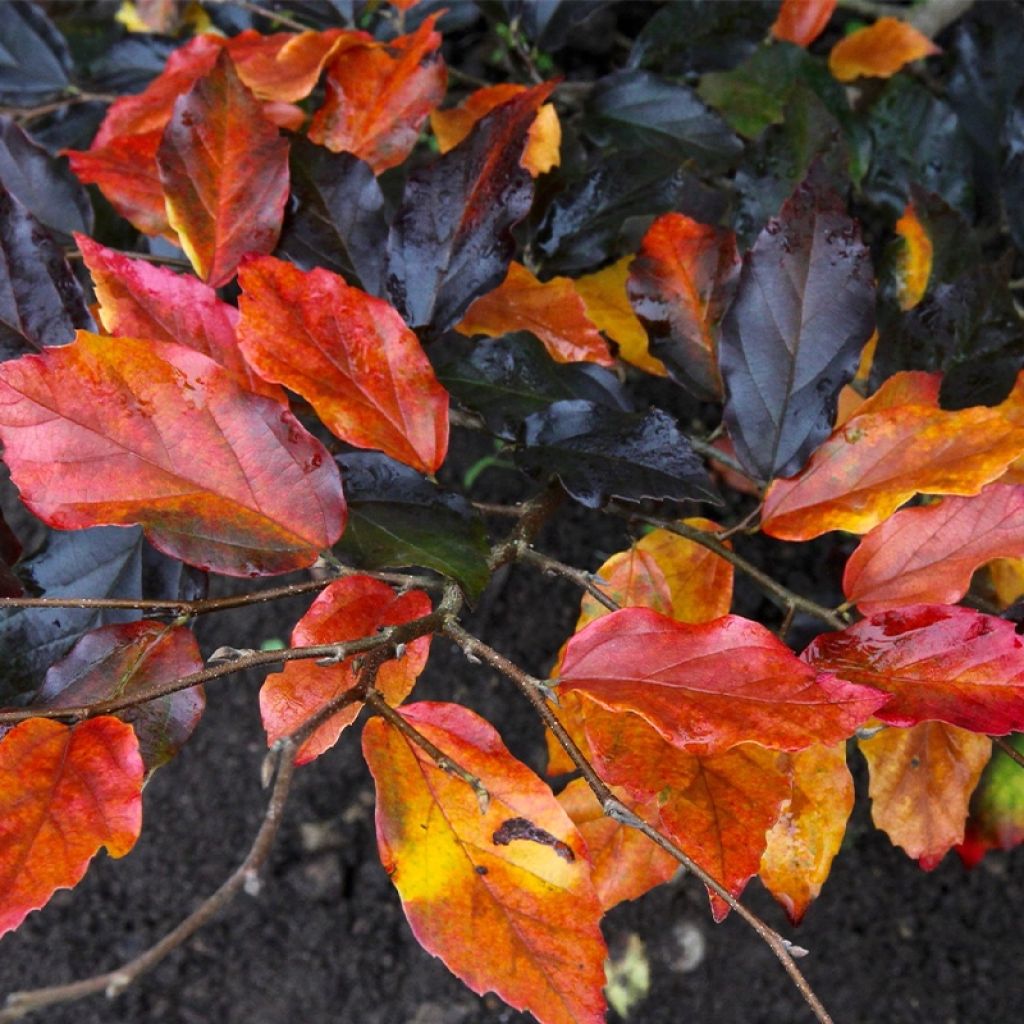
(757, 265)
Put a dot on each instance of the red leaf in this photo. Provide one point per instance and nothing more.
(124, 421)
(379, 96)
(348, 609)
(139, 300)
(132, 659)
(710, 686)
(349, 354)
(802, 21)
(224, 169)
(928, 554)
(64, 792)
(551, 310)
(503, 911)
(921, 784)
(940, 663)
(679, 285)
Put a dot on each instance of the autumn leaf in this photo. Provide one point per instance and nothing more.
(139, 300)
(680, 285)
(378, 96)
(802, 21)
(503, 896)
(65, 791)
(879, 50)
(542, 141)
(710, 686)
(132, 659)
(224, 171)
(914, 261)
(996, 819)
(804, 308)
(803, 842)
(927, 555)
(349, 354)
(922, 779)
(451, 239)
(624, 863)
(941, 663)
(897, 444)
(717, 807)
(350, 608)
(112, 413)
(607, 305)
(1007, 578)
(551, 310)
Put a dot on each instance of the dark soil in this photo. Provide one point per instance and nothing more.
(325, 942)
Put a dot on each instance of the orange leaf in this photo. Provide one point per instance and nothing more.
(1007, 578)
(607, 305)
(158, 434)
(710, 686)
(928, 554)
(552, 310)
(718, 808)
(503, 896)
(349, 354)
(624, 862)
(802, 21)
(633, 579)
(806, 838)
(379, 96)
(65, 791)
(914, 263)
(886, 453)
(140, 300)
(543, 140)
(350, 608)
(921, 784)
(679, 285)
(224, 169)
(879, 50)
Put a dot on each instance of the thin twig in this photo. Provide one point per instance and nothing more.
(709, 451)
(743, 526)
(615, 809)
(782, 596)
(582, 579)
(1009, 749)
(245, 876)
(534, 514)
(267, 12)
(491, 509)
(32, 113)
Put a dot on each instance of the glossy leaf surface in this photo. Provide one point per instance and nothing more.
(879, 50)
(804, 308)
(513, 910)
(398, 518)
(378, 96)
(131, 659)
(707, 687)
(928, 554)
(598, 454)
(349, 354)
(265, 498)
(451, 240)
(803, 842)
(897, 444)
(224, 170)
(65, 791)
(551, 310)
(140, 300)
(350, 608)
(680, 284)
(940, 664)
(922, 779)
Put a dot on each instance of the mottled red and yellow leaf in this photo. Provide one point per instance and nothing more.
(996, 819)
(504, 895)
(922, 779)
(350, 608)
(65, 791)
(551, 310)
(349, 354)
(116, 431)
